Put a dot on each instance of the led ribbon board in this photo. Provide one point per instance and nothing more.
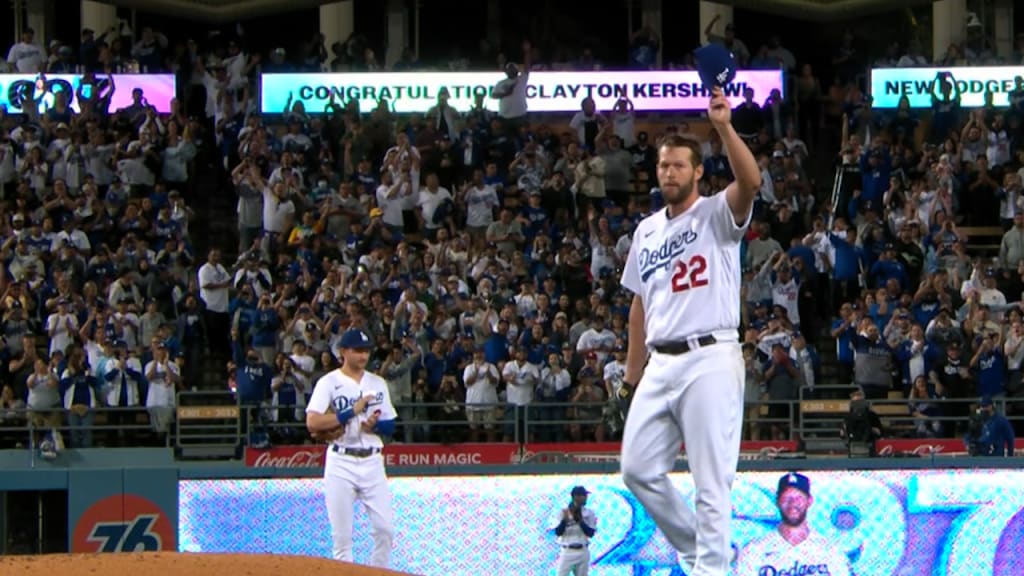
(16, 90)
(546, 92)
(888, 523)
(888, 85)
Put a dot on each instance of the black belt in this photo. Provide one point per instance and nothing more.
(357, 452)
(574, 546)
(677, 348)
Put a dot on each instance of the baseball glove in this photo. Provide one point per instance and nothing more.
(328, 436)
(625, 396)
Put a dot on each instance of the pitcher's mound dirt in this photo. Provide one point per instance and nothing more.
(171, 564)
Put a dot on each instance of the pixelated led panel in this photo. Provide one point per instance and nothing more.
(888, 523)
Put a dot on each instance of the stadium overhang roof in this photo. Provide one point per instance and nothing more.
(825, 10)
(232, 10)
(218, 11)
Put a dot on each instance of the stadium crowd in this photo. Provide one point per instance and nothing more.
(482, 249)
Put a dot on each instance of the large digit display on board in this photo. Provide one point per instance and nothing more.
(665, 90)
(17, 90)
(887, 523)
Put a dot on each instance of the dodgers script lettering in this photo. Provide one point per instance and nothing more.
(796, 569)
(661, 257)
(342, 403)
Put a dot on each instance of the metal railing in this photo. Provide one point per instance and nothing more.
(449, 423)
(97, 427)
(215, 425)
(208, 424)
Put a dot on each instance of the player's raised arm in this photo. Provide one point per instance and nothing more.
(741, 193)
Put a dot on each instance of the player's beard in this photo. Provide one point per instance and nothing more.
(793, 522)
(680, 192)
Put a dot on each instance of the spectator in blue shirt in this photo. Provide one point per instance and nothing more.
(991, 365)
(844, 328)
(265, 324)
(253, 377)
(496, 346)
(534, 218)
(887, 267)
(916, 356)
(875, 167)
(847, 264)
(80, 392)
(881, 308)
(435, 365)
(993, 435)
(287, 397)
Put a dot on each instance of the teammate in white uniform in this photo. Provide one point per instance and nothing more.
(354, 466)
(684, 271)
(792, 548)
(576, 526)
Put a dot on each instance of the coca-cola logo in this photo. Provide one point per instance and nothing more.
(926, 450)
(922, 450)
(297, 459)
(770, 452)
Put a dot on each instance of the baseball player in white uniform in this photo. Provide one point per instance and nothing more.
(684, 365)
(353, 408)
(576, 526)
(792, 548)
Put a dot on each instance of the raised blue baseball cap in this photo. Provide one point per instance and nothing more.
(715, 64)
(794, 480)
(355, 339)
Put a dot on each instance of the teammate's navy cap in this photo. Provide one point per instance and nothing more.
(794, 480)
(355, 339)
(985, 401)
(715, 64)
(580, 490)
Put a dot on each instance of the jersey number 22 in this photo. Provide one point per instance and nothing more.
(690, 274)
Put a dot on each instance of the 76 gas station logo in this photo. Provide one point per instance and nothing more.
(134, 536)
(124, 523)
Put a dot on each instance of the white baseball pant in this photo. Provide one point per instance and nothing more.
(696, 397)
(576, 561)
(346, 479)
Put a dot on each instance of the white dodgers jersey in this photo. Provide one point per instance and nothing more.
(772, 555)
(573, 533)
(687, 271)
(337, 390)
